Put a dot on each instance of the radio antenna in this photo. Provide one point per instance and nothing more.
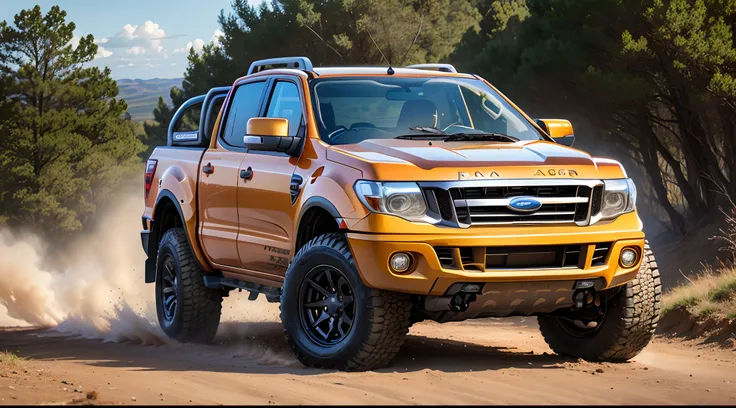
(390, 70)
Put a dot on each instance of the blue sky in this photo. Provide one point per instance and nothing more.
(138, 38)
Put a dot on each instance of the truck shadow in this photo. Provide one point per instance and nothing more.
(260, 348)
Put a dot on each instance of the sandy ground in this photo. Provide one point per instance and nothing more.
(480, 362)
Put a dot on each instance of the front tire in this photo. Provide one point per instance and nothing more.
(628, 324)
(187, 310)
(331, 319)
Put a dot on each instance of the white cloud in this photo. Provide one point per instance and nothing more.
(136, 50)
(216, 37)
(138, 39)
(198, 44)
(102, 52)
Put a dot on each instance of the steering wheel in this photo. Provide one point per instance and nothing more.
(336, 132)
(347, 136)
(357, 125)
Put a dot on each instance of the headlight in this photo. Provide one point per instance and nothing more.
(402, 199)
(619, 197)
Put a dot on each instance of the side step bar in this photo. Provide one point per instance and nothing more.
(272, 294)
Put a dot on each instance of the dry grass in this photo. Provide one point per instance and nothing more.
(712, 293)
(8, 359)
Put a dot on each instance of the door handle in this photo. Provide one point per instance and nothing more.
(208, 169)
(246, 174)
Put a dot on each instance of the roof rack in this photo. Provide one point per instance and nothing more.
(435, 67)
(302, 63)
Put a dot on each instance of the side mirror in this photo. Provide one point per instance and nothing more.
(558, 129)
(270, 134)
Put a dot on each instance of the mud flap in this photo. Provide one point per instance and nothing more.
(150, 270)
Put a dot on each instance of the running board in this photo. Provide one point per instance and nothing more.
(272, 294)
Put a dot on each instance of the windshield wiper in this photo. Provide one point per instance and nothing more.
(434, 133)
(496, 137)
(432, 130)
(427, 133)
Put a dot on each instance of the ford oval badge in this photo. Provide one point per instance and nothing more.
(524, 204)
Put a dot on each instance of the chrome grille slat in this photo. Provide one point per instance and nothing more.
(478, 202)
(488, 202)
(524, 215)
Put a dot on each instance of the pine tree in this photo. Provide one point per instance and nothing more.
(64, 146)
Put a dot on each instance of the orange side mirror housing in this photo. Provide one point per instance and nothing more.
(558, 129)
(271, 134)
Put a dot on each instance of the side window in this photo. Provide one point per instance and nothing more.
(285, 103)
(189, 120)
(214, 111)
(245, 105)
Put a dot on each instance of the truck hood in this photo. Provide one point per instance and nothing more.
(396, 159)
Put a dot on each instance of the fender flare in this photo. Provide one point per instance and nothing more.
(320, 202)
(150, 273)
(312, 202)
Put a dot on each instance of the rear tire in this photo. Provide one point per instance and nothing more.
(187, 310)
(628, 324)
(378, 320)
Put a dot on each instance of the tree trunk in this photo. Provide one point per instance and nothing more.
(651, 164)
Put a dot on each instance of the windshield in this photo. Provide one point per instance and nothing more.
(350, 110)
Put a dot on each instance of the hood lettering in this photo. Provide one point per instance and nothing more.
(555, 172)
(477, 175)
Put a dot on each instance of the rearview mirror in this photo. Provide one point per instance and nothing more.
(270, 134)
(558, 129)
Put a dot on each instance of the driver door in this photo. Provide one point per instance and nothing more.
(265, 206)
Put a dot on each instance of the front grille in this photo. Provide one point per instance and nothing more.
(596, 197)
(481, 259)
(473, 203)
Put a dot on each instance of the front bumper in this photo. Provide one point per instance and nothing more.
(371, 253)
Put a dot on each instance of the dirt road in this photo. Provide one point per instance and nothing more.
(482, 362)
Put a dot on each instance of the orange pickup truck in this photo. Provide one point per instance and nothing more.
(368, 199)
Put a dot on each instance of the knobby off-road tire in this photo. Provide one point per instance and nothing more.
(380, 319)
(628, 326)
(196, 314)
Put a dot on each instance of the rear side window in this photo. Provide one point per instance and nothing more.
(285, 103)
(214, 111)
(245, 105)
(189, 120)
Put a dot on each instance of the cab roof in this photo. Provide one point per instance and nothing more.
(383, 71)
(305, 65)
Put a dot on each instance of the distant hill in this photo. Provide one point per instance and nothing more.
(142, 94)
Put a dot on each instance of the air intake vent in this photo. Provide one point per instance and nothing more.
(600, 254)
(445, 256)
(572, 256)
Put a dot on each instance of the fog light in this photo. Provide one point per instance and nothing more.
(629, 257)
(400, 262)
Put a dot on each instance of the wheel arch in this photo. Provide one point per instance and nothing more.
(168, 214)
(317, 216)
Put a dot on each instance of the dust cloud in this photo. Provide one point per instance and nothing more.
(95, 289)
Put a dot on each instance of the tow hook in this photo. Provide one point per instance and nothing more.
(584, 298)
(461, 301)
